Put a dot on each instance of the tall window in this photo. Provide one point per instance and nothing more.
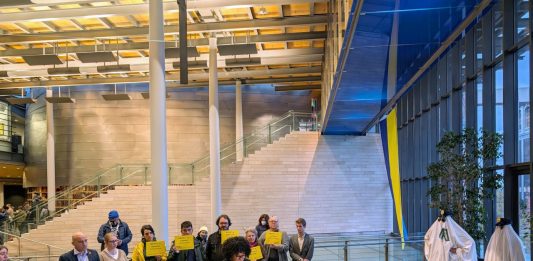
(478, 34)
(498, 105)
(521, 19)
(463, 107)
(479, 102)
(498, 28)
(523, 105)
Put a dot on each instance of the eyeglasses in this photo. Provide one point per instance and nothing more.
(113, 241)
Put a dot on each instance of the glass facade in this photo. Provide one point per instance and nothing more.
(481, 82)
(523, 105)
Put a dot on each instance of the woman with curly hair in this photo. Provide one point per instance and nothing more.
(236, 249)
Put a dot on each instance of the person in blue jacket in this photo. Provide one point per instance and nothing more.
(118, 227)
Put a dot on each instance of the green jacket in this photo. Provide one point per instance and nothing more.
(181, 256)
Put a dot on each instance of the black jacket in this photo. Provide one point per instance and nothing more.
(92, 255)
(181, 256)
(214, 247)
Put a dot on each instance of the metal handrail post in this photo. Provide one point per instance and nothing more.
(145, 176)
(49, 253)
(37, 215)
(121, 173)
(169, 174)
(386, 249)
(98, 186)
(345, 250)
(269, 134)
(293, 121)
(244, 150)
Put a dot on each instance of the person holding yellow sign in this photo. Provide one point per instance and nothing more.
(275, 243)
(186, 247)
(143, 250)
(214, 242)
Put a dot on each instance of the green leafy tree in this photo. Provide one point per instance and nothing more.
(462, 179)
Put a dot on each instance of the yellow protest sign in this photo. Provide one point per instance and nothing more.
(229, 234)
(256, 253)
(184, 242)
(273, 238)
(155, 248)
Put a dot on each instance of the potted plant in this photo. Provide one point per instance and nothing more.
(462, 178)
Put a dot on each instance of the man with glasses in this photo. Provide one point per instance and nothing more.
(80, 251)
(119, 228)
(274, 252)
(214, 242)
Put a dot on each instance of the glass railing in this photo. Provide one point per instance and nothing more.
(261, 137)
(368, 247)
(178, 174)
(23, 248)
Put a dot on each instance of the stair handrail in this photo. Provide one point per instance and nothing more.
(257, 132)
(254, 132)
(3, 233)
(92, 193)
(44, 202)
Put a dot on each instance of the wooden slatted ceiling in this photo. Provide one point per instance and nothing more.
(171, 18)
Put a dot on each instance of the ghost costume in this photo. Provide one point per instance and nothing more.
(444, 235)
(505, 245)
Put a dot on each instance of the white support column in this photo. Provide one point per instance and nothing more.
(158, 127)
(214, 132)
(50, 154)
(239, 147)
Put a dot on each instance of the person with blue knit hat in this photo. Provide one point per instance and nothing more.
(119, 228)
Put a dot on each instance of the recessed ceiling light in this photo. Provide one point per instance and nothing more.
(4, 167)
(18, 168)
(262, 11)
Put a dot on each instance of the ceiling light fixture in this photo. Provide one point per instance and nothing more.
(22, 99)
(59, 99)
(262, 10)
(117, 96)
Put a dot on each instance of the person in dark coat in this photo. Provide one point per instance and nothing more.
(214, 242)
(301, 245)
(119, 228)
(195, 254)
(80, 243)
(262, 225)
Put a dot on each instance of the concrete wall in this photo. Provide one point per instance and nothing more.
(94, 134)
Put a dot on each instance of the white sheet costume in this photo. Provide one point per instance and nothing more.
(505, 245)
(445, 235)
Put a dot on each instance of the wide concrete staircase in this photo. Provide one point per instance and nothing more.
(132, 202)
(300, 175)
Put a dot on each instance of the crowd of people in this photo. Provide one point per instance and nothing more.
(16, 221)
(115, 234)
